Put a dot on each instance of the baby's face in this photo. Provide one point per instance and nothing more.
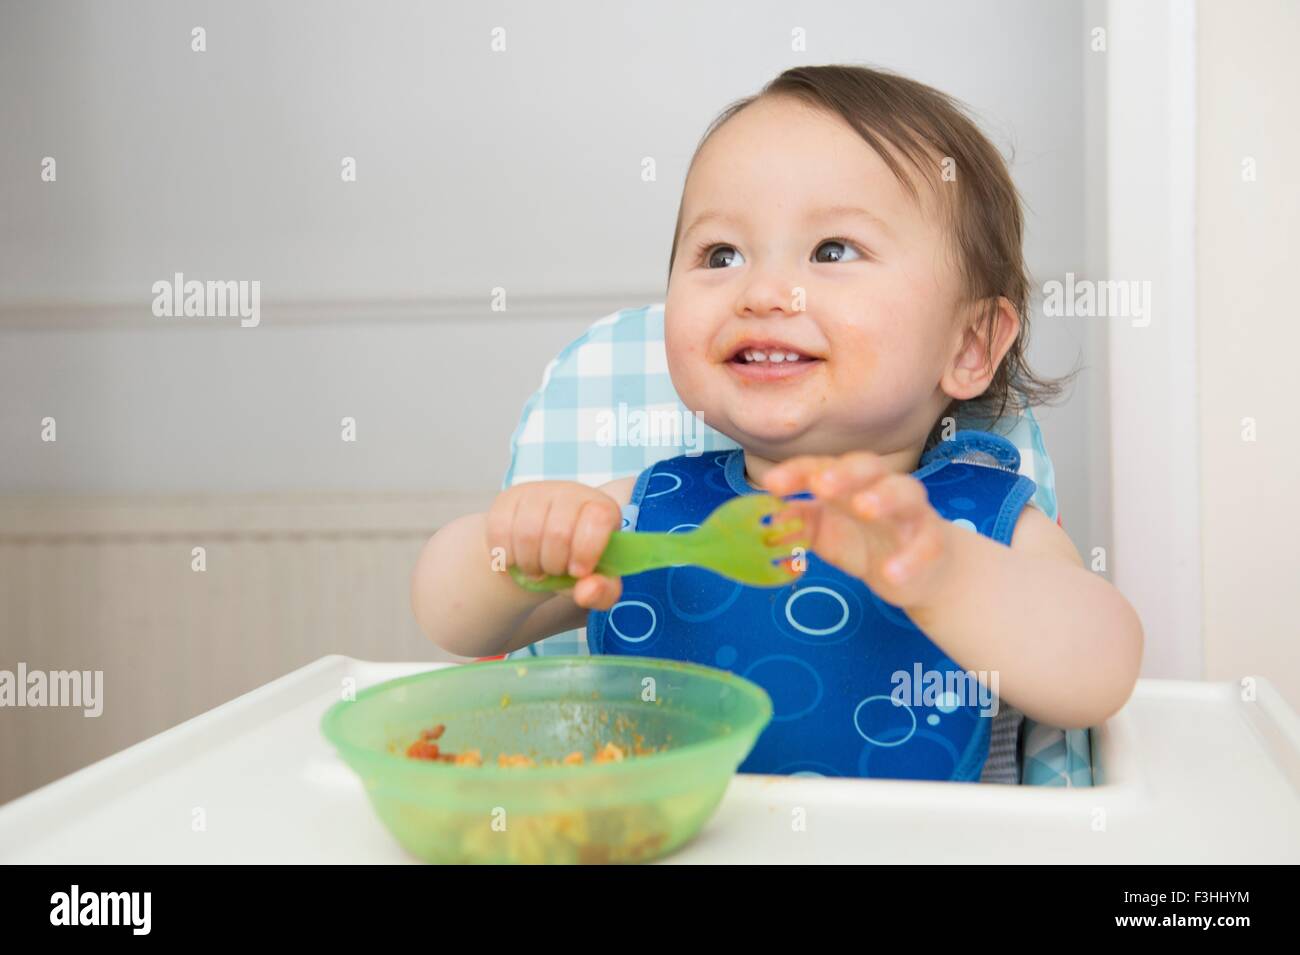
(874, 327)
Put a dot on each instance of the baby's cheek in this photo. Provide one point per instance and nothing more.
(678, 341)
(682, 354)
(858, 357)
(685, 367)
(900, 336)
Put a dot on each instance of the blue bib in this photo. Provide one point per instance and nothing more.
(825, 648)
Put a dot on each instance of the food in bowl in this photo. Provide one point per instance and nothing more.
(628, 834)
(698, 724)
(425, 748)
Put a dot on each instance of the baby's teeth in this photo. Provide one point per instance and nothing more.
(753, 354)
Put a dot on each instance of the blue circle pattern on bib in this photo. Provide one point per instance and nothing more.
(825, 647)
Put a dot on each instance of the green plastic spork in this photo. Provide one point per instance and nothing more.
(732, 541)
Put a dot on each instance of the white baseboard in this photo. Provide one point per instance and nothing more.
(108, 584)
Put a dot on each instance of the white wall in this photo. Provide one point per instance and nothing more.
(1248, 236)
(475, 170)
(1151, 182)
(518, 169)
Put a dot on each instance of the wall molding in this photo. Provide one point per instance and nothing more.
(108, 584)
(74, 518)
(112, 315)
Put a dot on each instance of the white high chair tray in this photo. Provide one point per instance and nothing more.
(1191, 774)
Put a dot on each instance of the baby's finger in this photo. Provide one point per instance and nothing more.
(597, 592)
(557, 536)
(500, 524)
(793, 475)
(897, 497)
(596, 521)
(919, 553)
(526, 534)
(794, 520)
(851, 472)
(837, 536)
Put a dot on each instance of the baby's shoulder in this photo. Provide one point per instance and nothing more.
(620, 489)
(1037, 534)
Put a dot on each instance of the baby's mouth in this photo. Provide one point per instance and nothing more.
(768, 361)
(770, 352)
(774, 356)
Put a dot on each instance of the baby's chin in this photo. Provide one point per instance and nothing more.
(776, 434)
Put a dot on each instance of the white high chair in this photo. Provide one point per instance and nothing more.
(618, 368)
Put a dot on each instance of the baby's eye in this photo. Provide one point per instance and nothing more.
(714, 262)
(837, 250)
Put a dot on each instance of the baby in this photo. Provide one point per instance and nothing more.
(846, 276)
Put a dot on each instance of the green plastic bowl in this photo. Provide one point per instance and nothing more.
(634, 810)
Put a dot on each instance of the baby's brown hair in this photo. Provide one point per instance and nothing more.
(980, 202)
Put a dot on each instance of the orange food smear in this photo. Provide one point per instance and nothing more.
(610, 752)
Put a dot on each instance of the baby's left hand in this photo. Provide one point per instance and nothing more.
(868, 521)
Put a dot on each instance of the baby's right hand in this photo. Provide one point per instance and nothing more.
(558, 527)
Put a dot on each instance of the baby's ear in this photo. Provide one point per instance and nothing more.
(985, 333)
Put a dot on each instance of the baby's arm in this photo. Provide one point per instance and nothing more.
(1063, 643)
(1066, 645)
(471, 609)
